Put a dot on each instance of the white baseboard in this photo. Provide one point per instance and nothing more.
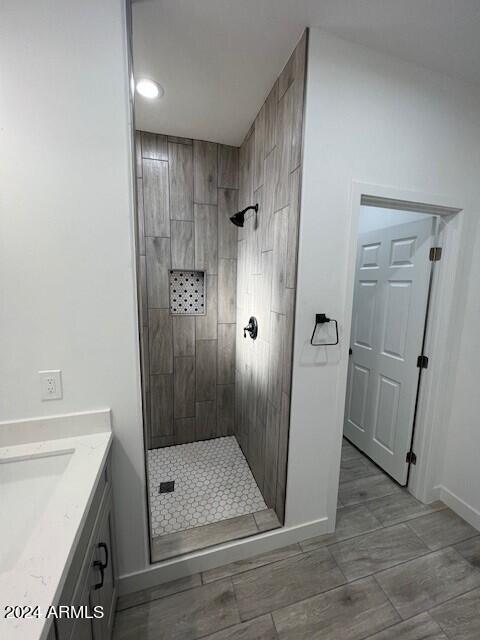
(191, 563)
(461, 508)
(431, 496)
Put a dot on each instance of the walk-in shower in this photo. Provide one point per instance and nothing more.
(216, 303)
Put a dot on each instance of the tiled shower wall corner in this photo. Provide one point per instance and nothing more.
(186, 191)
(270, 174)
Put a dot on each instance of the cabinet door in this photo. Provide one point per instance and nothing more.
(52, 634)
(78, 628)
(104, 593)
(82, 629)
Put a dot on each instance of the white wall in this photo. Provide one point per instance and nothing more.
(375, 119)
(66, 256)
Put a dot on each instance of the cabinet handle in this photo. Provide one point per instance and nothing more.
(103, 545)
(99, 565)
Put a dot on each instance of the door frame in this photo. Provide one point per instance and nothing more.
(430, 422)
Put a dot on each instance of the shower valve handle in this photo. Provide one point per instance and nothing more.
(252, 328)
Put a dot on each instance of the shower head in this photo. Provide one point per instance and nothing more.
(238, 219)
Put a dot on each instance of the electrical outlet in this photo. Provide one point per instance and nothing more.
(51, 384)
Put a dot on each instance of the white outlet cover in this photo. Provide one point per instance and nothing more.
(51, 384)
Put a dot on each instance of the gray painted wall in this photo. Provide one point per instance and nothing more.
(270, 174)
(186, 190)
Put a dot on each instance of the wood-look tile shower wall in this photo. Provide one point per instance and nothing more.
(270, 172)
(186, 191)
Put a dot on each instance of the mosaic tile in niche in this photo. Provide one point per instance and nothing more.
(187, 293)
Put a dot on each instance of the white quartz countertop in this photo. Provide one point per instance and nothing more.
(46, 487)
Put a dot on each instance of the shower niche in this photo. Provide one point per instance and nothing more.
(216, 404)
(187, 292)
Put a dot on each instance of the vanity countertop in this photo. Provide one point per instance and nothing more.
(49, 470)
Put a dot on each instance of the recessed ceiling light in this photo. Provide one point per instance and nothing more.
(149, 89)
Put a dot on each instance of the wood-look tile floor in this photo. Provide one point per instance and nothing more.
(394, 569)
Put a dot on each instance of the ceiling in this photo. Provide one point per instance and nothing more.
(217, 59)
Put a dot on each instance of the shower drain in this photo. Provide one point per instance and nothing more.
(167, 487)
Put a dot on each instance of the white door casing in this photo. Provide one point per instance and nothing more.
(388, 318)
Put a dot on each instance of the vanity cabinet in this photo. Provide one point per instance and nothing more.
(91, 579)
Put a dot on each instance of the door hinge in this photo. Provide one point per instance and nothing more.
(435, 254)
(411, 458)
(422, 362)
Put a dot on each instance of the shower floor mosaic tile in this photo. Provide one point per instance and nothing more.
(213, 482)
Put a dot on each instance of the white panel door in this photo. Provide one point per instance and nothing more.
(389, 304)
